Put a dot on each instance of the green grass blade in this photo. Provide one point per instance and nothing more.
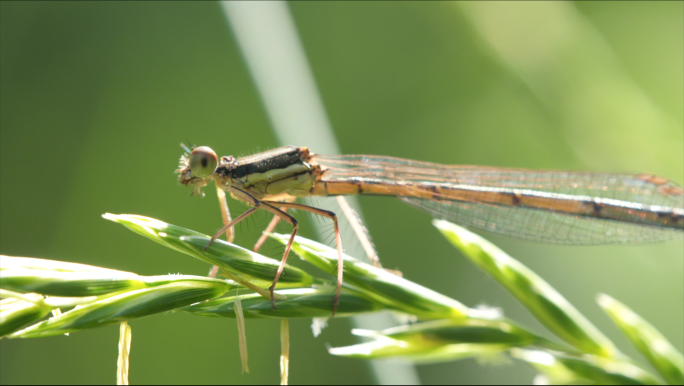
(649, 341)
(237, 260)
(300, 303)
(417, 352)
(16, 313)
(61, 283)
(16, 262)
(80, 283)
(558, 368)
(128, 306)
(441, 340)
(542, 300)
(476, 331)
(389, 289)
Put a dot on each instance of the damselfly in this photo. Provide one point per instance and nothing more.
(545, 206)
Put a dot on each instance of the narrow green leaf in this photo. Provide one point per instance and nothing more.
(300, 303)
(542, 300)
(62, 283)
(560, 368)
(441, 340)
(81, 283)
(236, 260)
(128, 306)
(386, 288)
(16, 262)
(475, 331)
(417, 352)
(649, 341)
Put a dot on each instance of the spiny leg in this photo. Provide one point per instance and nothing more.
(338, 239)
(249, 199)
(225, 216)
(225, 213)
(269, 229)
(239, 218)
(295, 224)
(257, 205)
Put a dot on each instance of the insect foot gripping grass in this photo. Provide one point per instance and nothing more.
(300, 303)
(386, 288)
(248, 268)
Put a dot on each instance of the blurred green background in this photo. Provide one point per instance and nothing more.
(95, 98)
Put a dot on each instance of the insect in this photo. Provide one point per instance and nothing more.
(546, 206)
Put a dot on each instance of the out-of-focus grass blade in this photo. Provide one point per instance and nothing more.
(236, 260)
(16, 262)
(440, 340)
(542, 300)
(128, 306)
(649, 341)
(463, 331)
(300, 303)
(16, 313)
(386, 288)
(560, 368)
(417, 352)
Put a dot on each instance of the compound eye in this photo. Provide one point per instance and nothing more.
(203, 162)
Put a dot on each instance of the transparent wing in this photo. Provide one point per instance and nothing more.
(543, 226)
(520, 222)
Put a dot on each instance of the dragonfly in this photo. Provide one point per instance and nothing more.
(557, 207)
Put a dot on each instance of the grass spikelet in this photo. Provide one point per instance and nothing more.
(20, 310)
(128, 306)
(561, 368)
(237, 260)
(442, 340)
(542, 300)
(649, 341)
(384, 287)
(300, 303)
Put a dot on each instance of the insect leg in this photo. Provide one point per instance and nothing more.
(338, 239)
(292, 221)
(225, 215)
(271, 226)
(250, 200)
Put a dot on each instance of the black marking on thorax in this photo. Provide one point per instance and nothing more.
(279, 158)
(226, 165)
